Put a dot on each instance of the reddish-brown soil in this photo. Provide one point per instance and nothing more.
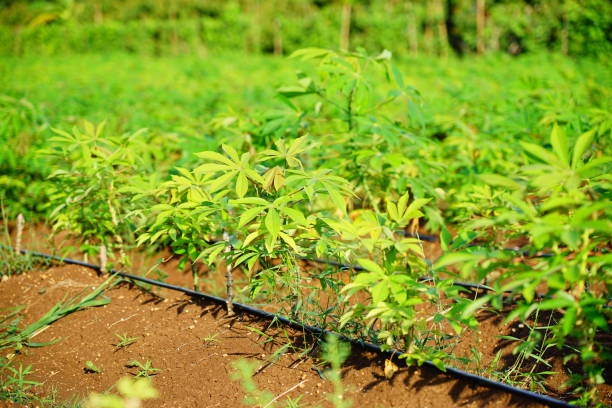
(196, 373)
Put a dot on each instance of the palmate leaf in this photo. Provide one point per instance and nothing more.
(234, 168)
(288, 153)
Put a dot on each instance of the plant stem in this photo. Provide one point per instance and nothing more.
(20, 222)
(229, 279)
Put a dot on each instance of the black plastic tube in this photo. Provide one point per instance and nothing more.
(535, 397)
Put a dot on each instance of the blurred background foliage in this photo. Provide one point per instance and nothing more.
(434, 27)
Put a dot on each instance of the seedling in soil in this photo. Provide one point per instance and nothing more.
(16, 338)
(15, 379)
(144, 370)
(335, 353)
(210, 340)
(90, 367)
(124, 340)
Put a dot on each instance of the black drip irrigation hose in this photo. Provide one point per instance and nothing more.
(393, 354)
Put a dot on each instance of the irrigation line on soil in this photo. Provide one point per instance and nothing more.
(392, 354)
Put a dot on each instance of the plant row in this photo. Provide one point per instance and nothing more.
(334, 172)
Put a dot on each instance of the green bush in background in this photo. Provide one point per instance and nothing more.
(438, 27)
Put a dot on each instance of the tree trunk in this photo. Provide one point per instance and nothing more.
(442, 32)
(494, 43)
(564, 34)
(428, 31)
(345, 27)
(454, 36)
(98, 14)
(480, 26)
(412, 29)
(278, 38)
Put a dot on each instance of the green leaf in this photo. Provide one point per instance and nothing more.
(295, 215)
(586, 170)
(220, 182)
(216, 250)
(415, 205)
(211, 168)
(559, 144)
(270, 242)
(397, 75)
(231, 152)
(569, 320)
(370, 266)
(392, 210)
(445, 238)
(540, 153)
(582, 144)
(311, 53)
(289, 241)
(250, 200)
(402, 203)
(273, 222)
(366, 278)
(250, 238)
(242, 185)
(242, 258)
(379, 292)
(249, 214)
(336, 198)
(215, 157)
(557, 303)
(455, 257)
(474, 306)
(497, 180)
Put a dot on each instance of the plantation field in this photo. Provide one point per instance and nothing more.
(456, 210)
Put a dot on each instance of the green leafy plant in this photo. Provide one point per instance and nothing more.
(210, 340)
(143, 369)
(556, 202)
(15, 387)
(132, 391)
(124, 340)
(92, 183)
(90, 367)
(11, 337)
(335, 353)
